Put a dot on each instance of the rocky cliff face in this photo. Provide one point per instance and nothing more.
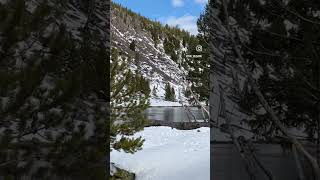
(151, 56)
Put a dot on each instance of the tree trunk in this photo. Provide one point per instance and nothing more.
(265, 104)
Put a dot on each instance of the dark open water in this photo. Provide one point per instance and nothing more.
(175, 114)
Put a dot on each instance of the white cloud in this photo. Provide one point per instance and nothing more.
(177, 3)
(186, 22)
(201, 1)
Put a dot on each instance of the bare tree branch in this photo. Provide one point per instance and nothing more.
(296, 13)
(265, 104)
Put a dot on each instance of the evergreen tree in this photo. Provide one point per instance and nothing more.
(276, 40)
(137, 61)
(154, 92)
(173, 94)
(167, 95)
(129, 99)
(173, 37)
(132, 45)
(186, 93)
(283, 48)
(54, 89)
(168, 46)
(174, 57)
(184, 43)
(199, 68)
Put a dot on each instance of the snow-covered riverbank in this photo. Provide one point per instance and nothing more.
(169, 154)
(159, 102)
(162, 103)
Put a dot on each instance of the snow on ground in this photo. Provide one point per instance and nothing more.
(160, 102)
(169, 154)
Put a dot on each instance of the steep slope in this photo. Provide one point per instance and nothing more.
(158, 54)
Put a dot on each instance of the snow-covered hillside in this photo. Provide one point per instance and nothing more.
(154, 64)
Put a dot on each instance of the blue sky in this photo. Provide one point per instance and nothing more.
(183, 13)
